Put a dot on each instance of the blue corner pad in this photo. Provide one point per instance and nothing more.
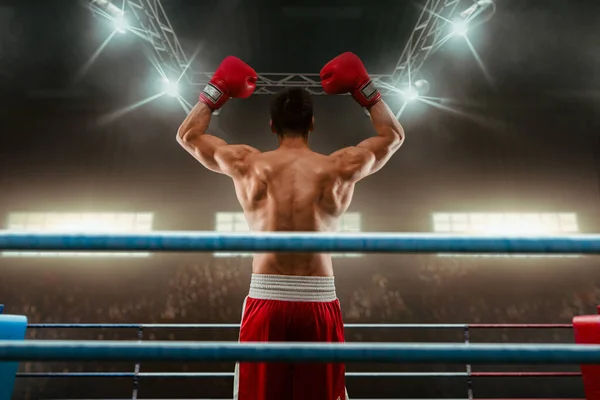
(12, 327)
(1, 308)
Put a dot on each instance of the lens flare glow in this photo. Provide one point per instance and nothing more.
(411, 94)
(171, 88)
(460, 28)
(121, 24)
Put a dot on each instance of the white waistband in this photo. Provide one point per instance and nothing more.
(292, 288)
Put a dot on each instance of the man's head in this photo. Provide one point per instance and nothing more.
(292, 113)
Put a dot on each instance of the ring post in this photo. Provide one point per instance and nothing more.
(12, 327)
(587, 331)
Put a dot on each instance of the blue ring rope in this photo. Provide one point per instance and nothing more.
(300, 242)
(225, 374)
(129, 398)
(223, 326)
(41, 350)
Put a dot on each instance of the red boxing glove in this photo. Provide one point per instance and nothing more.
(347, 74)
(233, 78)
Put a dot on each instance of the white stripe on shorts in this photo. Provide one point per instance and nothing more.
(292, 288)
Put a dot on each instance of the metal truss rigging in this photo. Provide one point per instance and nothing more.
(430, 31)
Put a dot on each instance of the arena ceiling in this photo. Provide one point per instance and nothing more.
(547, 45)
(293, 36)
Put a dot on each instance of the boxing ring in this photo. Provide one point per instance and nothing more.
(586, 328)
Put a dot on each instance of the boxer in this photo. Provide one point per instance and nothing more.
(292, 295)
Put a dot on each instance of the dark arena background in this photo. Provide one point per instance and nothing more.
(506, 140)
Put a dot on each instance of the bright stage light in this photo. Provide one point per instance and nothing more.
(480, 8)
(107, 7)
(411, 94)
(506, 223)
(78, 223)
(500, 224)
(460, 28)
(171, 88)
(121, 24)
(422, 86)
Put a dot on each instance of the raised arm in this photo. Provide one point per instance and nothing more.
(233, 78)
(347, 74)
(212, 152)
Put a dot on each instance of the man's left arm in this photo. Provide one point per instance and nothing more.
(212, 152)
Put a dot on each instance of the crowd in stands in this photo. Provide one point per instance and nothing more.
(419, 289)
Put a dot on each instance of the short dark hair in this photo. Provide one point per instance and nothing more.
(292, 112)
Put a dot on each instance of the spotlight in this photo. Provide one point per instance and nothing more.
(121, 24)
(107, 7)
(411, 94)
(478, 7)
(171, 88)
(460, 28)
(422, 86)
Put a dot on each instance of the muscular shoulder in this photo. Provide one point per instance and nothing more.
(235, 151)
(235, 159)
(350, 153)
(352, 162)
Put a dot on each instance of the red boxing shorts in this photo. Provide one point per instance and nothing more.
(281, 308)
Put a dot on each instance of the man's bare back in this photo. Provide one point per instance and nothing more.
(293, 189)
